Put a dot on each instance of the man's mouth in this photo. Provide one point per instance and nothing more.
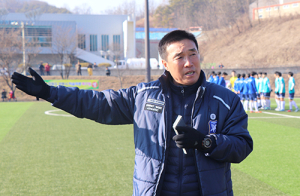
(190, 73)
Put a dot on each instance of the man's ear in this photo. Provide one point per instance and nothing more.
(165, 64)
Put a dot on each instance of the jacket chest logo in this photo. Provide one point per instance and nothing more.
(154, 105)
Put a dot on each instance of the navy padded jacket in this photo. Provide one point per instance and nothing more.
(148, 106)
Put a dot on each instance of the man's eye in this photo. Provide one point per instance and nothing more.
(179, 57)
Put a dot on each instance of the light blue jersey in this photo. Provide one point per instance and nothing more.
(281, 85)
(258, 83)
(276, 85)
(292, 85)
(251, 85)
(237, 85)
(265, 87)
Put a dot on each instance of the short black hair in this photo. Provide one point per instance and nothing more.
(233, 71)
(253, 73)
(291, 73)
(225, 74)
(171, 37)
(260, 73)
(243, 75)
(239, 75)
(279, 73)
(219, 73)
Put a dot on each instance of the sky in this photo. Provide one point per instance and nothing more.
(97, 6)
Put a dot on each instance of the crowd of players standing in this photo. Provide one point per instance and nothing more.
(254, 90)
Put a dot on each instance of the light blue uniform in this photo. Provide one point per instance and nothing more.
(265, 86)
(292, 85)
(258, 83)
(281, 85)
(276, 85)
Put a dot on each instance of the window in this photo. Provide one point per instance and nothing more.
(295, 5)
(260, 16)
(276, 8)
(268, 9)
(38, 36)
(116, 42)
(260, 10)
(286, 6)
(81, 41)
(105, 42)
(93, 43)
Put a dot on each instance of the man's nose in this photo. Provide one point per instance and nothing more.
(188, 62)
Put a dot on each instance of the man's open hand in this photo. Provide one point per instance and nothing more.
(34, 86)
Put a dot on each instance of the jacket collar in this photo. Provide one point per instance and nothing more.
(166, 79)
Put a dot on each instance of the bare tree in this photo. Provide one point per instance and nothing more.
(65, 45)
(10, 48)
(83, 9)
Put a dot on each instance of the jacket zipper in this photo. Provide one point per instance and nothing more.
(201, 93)
(180, 151)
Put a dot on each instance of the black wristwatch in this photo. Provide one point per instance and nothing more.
(206, 142)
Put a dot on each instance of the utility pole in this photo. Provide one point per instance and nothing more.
(23, 43)
(147, 46)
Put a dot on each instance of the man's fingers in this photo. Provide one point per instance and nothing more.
(18, 76)
(178, 137)
(17, 81)
(21, 87)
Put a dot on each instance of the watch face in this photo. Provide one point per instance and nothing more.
(207, 142)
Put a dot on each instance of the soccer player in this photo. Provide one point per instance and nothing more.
(276, 75)
(232, 79)
(211, 77)
(237, 86)
(252, 93)
(258, 82)
(244, 91)
(281, 91)
(222, 79)
(216, 78)
(292, 92)
(266, 92)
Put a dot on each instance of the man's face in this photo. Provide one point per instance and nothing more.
(233, 74)
(183, 62)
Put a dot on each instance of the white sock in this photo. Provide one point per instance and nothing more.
(282, 105)
(294, 104)
(246, 105)
(264, 103)
(251, 106)
(258, 102)
(255, 106)
(291, 105)
(269, 103)
(278, 103)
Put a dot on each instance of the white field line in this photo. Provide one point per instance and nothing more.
(269, 117)
(283, 115)
(49, 112)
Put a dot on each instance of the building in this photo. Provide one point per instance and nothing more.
(91, 38)
(261, 9)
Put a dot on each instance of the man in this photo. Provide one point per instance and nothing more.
(266, 92)
(78, 68)
(252, 93)
(232, 80)
(244, 91)
(258, 82)
(237, 86)
(211, 77)
(292, 92)
(276, 75)
(281, 91)
(222, 79)
(216, 78)
(41, 68)
(215, 134)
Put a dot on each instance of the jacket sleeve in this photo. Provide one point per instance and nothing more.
(234, 143)
(107, 107)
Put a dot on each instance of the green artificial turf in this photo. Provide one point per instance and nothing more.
(53, 155)
(10, 112)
